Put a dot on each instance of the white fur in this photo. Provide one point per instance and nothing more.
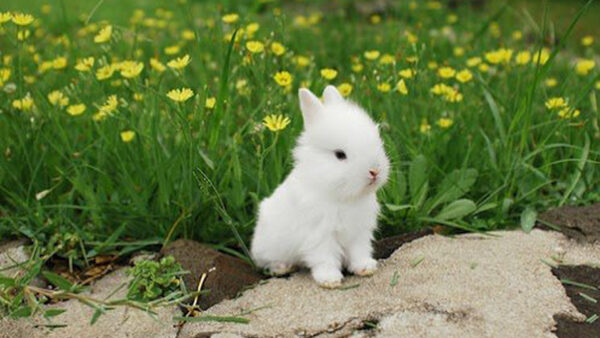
(323, 215)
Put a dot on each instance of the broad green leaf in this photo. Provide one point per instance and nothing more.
(21, 312)
(95, 316)
(528, 218)
(455, 185)
(6, 281)
(456, 210)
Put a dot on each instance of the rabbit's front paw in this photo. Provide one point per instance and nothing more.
(365, 267)
(328, 278)
(280, 268)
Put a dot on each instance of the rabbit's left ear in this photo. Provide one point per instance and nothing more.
(331, 94)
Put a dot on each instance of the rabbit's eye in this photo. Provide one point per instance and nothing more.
(340, 154)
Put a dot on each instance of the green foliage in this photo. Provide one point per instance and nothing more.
(152, 279)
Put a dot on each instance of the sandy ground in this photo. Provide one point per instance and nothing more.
(466, 286)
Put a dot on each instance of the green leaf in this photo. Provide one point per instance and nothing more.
(455, 185)
(95, 316)
(6, 281)
(528, 218)
(21, 312)
(417, 180)
(226, 319)
(457, 209)
(53, 312)
(58, 281)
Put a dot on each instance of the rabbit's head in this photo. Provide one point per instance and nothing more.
(340, 153)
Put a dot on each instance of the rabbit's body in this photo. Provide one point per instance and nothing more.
(323, 215)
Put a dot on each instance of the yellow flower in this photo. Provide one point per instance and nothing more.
(157, 65)
(474, 62)
(85, 65)
(551, 82)
(587, 40)
(556, 102)
(459, 51)
(501, 55)
(357, 67)
(180, 95)
(384, 87)
(105, 72)
(523, 57)
(302, 61)
(517, 35)
(230, 18)
(104, 34)
(138, 97)
(111, 104)
(542, 57)
(445, 122)
(23, 104)
(76, 109)
(387, 59)
(171, 50)
(567, 113)
(432, 65)
(411, 37)
(59, 63)
(372, 54)
(276, 122)
(179, 63)
(57, 98)
(345, 88)
(425, 127)
(255, 46)
(446, 72)
(131, 69)
(188, 34)
(5, 17)
(434, 5)
(401, 87)
(440, 89)
(375, 19)
(4, 75)
(583, 67)
(452, 18)
(127, 136)
(598, 85)
(464, 76)
(328, 73)
(283, 78)
(484, 67)
(277, 48)
(24, 34)
(252, 28)
(210, 102)
(22, 19)
(99, 116)
(412, 59)
(407, 73)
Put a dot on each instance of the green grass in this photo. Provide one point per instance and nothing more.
(200, 173)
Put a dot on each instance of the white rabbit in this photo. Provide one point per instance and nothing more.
(323, 215)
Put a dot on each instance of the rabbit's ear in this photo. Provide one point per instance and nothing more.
(310, 106)
(331, 94)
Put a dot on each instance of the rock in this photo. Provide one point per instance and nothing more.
(469, 285)
(13, 257)
(580, 223)
(227, 276)
(119, 322)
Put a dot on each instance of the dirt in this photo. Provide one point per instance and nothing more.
(226, 276)
(568, 327)
(385, 247)
(580, 223)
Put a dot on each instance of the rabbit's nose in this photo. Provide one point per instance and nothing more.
(374, 173)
